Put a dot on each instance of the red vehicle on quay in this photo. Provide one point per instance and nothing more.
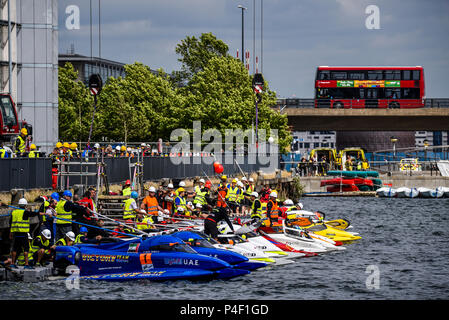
(369, 87)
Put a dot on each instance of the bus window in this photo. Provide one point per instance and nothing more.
(362, 93)
(375, 75)
(406, 75)
(416, 75)
(323, 75)
(392, 75)
(410, 93)
(392, 93)
(338, 75)
(356, 75)
(371, 93)
(322, 93)
(336, 93)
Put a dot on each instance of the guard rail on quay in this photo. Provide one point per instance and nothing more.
(36, 173)
(310, 103)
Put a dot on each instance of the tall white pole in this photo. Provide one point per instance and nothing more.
(9, 48)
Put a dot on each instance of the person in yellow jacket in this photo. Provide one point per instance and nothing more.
(130, 208)
(143, 222)
(67, 240)
(256, 207)
(20, 227)
(233, 195)
(33, 153)
(20, 143)
(74, 150)
(66, 151)
(65, 209)
(126, 191)
(41, 248)
(22, 256)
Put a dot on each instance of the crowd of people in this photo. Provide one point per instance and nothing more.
(66, 219)
(24, 148)
(313, 167)
(320, 166)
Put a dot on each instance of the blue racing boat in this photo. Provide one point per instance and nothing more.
(157, 258)
(203, 246)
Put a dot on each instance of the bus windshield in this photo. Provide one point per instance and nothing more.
(7, 110)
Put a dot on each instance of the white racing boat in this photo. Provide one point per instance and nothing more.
(386, 192)
(298, 240)
(404, 192)
(254, 242)
(237, 244)
(263, 244)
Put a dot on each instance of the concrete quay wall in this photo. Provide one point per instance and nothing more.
(312, 184)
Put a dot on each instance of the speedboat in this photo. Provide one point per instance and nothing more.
(335, 234)
(258, 242)
(404, 192)
(233, 257)
(157, 258)
(319, 216)
(299, 241)
(386, 192)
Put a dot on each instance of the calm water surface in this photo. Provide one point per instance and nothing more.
(406, 239)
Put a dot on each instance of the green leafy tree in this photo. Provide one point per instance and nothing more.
(221, 96)
(75, 106)
(138, 107)
(195, 54)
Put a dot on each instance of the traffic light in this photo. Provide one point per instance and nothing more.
(258, 84)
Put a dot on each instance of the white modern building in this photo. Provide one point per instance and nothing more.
(431, 138)
(29, 64)
(304, 141)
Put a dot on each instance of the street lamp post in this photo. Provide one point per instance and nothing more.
(426, 144)
(394, 140)
(243, 32)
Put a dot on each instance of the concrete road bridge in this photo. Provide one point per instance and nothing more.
(303, 116)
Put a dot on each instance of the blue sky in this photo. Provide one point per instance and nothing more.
(298, 35)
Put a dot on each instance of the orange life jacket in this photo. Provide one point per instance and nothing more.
(152, 205)
(220, 201)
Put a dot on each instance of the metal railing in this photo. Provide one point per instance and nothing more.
(309, 169)
(363, 103)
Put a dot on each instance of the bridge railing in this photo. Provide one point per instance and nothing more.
(393, 103)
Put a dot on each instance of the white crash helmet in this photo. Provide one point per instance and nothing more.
(46, 233)
(202, 181)
(170, 186)
(70, 235)
(152, 189)
(117, 148)
(182, 184)
(273, 194)
(97, 146)
(288, 202)
(23, 201)
(251, 180)
(255, 194)
(198, 205)
(300, 205)
(240, 184)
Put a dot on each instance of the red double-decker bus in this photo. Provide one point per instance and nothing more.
(369, 87)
